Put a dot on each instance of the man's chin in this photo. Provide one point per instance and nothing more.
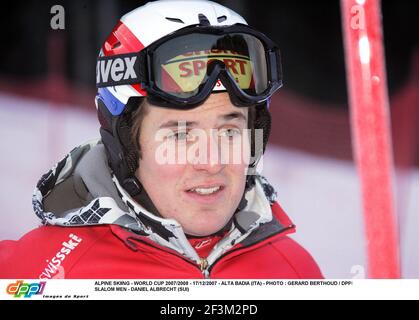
(206, 230)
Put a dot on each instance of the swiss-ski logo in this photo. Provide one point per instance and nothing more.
(54, 268)
(116, 70)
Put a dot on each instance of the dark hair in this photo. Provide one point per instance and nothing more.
(137, 119)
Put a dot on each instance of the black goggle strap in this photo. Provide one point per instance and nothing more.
(132, 68)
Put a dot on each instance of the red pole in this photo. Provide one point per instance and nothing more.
(371, 132)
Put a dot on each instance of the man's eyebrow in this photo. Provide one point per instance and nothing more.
(229, 116)
(175, 123)
(232, 116)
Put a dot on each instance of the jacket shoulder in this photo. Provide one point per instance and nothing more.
(47, 235)
(45, 248)
(297, 257)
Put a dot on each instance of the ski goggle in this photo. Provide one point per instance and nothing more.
(182, 69)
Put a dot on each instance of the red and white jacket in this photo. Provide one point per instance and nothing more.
(93, 229)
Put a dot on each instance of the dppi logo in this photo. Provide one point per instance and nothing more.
(27, 290)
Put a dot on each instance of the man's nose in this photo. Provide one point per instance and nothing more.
(209, 155)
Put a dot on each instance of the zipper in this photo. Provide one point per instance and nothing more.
(203, 264)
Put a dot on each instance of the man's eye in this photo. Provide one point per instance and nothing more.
(181, 135)
(230, 133)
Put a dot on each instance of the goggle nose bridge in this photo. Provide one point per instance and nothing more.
(220, 72)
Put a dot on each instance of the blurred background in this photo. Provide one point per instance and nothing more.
(47, 89)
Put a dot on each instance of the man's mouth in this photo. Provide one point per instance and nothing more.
(206, 191)
(207, 194)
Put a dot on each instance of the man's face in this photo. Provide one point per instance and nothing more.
(202, 192)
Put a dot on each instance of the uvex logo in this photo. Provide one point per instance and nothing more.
(116, 70)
